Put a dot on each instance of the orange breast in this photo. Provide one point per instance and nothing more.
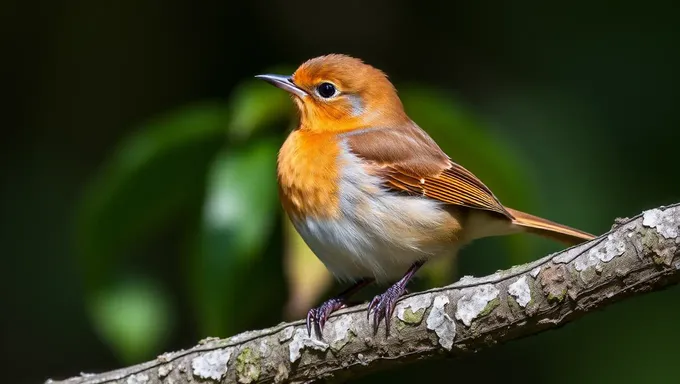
(308, 175)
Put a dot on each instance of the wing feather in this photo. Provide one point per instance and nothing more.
(410, 161)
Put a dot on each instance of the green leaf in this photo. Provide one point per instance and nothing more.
(154, 174)
(238, 217)
(470, 143)
(134, 317)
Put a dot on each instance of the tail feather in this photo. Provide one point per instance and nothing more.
(546, 228)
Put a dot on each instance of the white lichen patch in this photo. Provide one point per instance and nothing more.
(164, 370)
(604, 253)
(412, 309)
(466, 279)
(441, 323)
(473, 302)
(300, 341)
(584, 262)
(665, 222)
(613, 247)
(140, 378)
(340, 332)
(534, 272)
(566, 256)
(286, 334)
(165, 357)
(521, 291)
(211, 365)
(265, 350)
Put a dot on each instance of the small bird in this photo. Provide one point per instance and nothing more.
(371, 193)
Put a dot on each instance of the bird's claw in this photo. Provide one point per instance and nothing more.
(320, 314)
(382, 306)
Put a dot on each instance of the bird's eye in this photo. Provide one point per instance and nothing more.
(326, 90)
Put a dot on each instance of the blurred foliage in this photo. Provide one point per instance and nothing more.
(133, 316)
(237, 220)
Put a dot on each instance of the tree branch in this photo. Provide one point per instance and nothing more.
(638, 255)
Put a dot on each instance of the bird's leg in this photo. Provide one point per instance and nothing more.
(320, 314)
(383, 304)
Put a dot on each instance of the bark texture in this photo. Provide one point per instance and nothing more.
(638, 255)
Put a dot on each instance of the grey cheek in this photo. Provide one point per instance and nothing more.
(357, 105)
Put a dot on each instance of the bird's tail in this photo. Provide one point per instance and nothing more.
(549, 229)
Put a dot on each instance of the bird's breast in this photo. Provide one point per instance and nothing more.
(308, 175)
(349, 220)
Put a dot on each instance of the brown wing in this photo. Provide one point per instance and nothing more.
(410, 161)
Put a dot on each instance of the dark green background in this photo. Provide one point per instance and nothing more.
(568, 110)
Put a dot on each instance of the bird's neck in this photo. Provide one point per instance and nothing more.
(348, 117)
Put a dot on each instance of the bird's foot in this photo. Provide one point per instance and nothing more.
(382, 306)
(320, 314)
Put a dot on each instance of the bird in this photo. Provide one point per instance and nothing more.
(371, 193)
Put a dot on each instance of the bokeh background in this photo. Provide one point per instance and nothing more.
(138, 200)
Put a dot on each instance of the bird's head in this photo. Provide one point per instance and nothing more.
(339, 93)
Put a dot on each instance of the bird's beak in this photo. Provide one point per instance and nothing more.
(283, 82)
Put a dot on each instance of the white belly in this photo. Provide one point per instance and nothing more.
(378, 234)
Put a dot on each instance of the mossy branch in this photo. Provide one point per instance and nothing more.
(638, 255)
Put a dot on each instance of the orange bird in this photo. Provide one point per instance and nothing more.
(372, 195)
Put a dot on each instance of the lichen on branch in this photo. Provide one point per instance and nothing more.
(638, 255)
